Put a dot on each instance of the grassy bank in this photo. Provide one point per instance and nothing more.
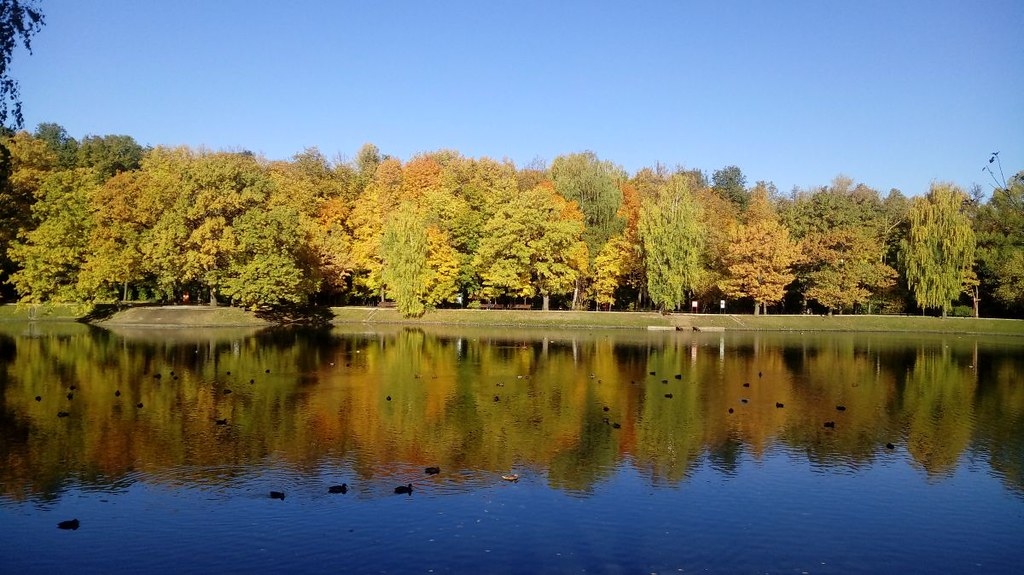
(184, 316)
(203, 316)
(636, 320)
(44, 311)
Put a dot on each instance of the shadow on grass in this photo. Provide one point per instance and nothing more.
(102, 311)
(296, 315)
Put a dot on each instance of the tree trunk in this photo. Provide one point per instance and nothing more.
(547, 300)
(124, 295)
(213, 297)
(757, 308)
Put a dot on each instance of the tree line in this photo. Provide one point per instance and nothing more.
(106, 219)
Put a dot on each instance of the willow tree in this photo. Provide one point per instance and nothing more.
(760, 258)
(403, 253)
(938, 253)
(673, 242)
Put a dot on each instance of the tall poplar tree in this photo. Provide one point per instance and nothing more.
(938, 253)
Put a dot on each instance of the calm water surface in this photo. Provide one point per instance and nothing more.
(636, 452)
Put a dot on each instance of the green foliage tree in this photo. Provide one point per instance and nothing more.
(595, 187)
(673, 243)
(110, 155)
(57, 139)
(848, 233)
(730, 183)
(532, 244)
(271, 265)
(939, 249)
(999, 227)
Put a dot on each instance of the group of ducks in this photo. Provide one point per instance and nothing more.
(333, 489)
(71, 395)
(400, 490)
(139, 405)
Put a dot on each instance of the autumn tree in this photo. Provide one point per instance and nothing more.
(938, 252)
(612, 267)
(844, 267)
(194, 240)
(381, 197)
(116, 253)
(322, 197)
(27, 162)
(759, 260)
(718, 217)
(465, 198)
(673, 242)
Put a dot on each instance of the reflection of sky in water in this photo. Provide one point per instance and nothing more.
(682, 485)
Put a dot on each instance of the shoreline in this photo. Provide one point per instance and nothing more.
(178, 316)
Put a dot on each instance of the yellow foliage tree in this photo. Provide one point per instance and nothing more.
(759, 260)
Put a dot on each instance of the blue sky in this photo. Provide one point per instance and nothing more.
(892, 94)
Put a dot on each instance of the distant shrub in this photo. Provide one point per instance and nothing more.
(473, 305)
(962, 311)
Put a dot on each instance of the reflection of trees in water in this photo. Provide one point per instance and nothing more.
(999, 417)
(937, 405)
(491, 401)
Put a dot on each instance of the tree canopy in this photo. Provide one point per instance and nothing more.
(102, 218)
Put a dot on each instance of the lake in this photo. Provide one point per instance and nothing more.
(636, 452)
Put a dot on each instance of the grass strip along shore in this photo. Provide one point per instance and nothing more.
(205, 316)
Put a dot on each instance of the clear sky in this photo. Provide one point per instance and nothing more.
(890, 93)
